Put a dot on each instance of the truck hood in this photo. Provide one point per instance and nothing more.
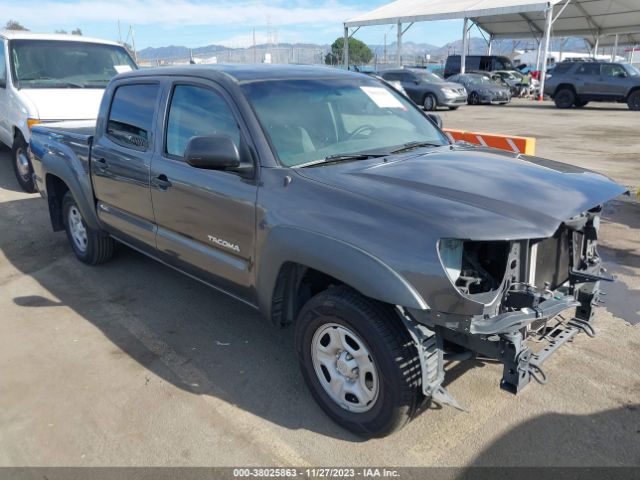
(64, 103)
(475, 193)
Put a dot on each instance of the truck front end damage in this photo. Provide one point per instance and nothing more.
(532, 296)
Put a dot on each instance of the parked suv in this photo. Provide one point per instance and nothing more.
(477, 63)
(574, 84)
(428, 89)
(46, 78)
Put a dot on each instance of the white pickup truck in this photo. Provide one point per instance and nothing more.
(47, 78)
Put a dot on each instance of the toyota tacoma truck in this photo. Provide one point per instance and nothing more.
(330, 202)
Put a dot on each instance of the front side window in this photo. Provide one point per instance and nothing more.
(131, 116)
(309, 120)
(613, 70)
(66, 64)
(197, 111)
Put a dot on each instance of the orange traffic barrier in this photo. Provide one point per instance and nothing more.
(526, 145)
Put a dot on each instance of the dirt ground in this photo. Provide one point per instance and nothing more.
(133, 364)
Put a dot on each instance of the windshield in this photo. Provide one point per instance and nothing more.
(429, 77)
(480, 80)
(309, 120)
(60, 64)
(633, 71)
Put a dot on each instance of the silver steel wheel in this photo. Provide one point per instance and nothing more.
(22, 162)
(77, 229)
(345, 368)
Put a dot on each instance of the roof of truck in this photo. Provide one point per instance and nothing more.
(26, 35)
(246, 73)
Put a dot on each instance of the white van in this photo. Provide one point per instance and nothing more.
(48, 78)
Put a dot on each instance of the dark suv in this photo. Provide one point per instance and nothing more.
(574, 84)
(477, 63)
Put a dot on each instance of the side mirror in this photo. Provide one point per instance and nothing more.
(213, 152)
(436, 119)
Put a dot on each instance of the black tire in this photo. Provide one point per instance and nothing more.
(565, 97)
(98, 248)
(580, 103)
(391, 351)
(633, 101)
(22, 165)
(474, 98)
(453, 108)
(429, 102)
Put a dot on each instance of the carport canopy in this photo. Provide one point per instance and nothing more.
(599, 22)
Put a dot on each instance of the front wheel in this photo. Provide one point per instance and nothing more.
(21, 164)
(453, 108)
(90, 247)
(474, 98)
(430, 102)
(633, 102)
(358, 361)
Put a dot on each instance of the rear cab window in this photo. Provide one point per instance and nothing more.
(130, 120)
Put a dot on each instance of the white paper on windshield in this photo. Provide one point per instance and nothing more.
(382, 97)
(122, 68)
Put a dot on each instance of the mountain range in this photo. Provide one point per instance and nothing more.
(312, 53)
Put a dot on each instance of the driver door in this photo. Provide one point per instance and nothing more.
(205, 218)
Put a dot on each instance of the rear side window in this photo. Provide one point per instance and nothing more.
(131, 116)
(588, 69)
(197, 111)
(391, 76)
(562, 68)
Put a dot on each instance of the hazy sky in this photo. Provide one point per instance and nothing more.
(195, 23)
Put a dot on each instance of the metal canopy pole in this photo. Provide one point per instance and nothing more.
(345, 47)
(547, 35)
(463, 55)
(615, 49)
(595, 49)
(489, 44)
(399, 44)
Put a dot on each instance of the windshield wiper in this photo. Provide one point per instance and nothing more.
(55, 84)
(343, 157)
(411, 145)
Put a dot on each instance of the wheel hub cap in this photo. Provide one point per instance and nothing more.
(23, 163)
(345, 367)
(77, 229)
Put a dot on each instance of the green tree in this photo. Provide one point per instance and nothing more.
(14, 25)
(359, 53)
(77, 31)
(60, 31)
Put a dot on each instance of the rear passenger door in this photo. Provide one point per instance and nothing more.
(587, 80)
(205, 218)
(411, 86)
(120, 163)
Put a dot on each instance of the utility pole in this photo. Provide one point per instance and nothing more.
(254, 44)
(119, 32)
(133, 43)
(385, 48)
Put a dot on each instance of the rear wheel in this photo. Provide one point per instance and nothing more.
(430, 102)
(474, 98)
(90, 247)
(21, 164)
(564, 98)
(634, 101)
(358, 361)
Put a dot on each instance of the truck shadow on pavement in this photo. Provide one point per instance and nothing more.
(603, 439)
(179, 329)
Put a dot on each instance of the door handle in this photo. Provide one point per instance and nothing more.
(162, 182)
(102, 163)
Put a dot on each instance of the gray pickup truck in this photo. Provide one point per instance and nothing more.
(330, 202)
